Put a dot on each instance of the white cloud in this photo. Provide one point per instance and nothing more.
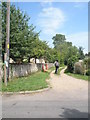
(80, 5)
(46, 2)
(79, 39)
(50, 20)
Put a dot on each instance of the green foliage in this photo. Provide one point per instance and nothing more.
(70, 64)
(78, 76)
(25, 42)
(21, 35)
(51, 55)
(64, 49)
(29, 83)
(88, 72)
(58, 39)
(87, 63)
(66, 71)
(71, 51)
(59, 70)
(39, 48)
(81, 54)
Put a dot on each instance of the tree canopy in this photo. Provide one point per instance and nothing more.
(22, 35)
(25, 42)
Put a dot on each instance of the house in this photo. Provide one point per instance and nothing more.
(11, 60)
(32, 60)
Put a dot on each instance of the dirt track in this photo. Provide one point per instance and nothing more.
(67, 84)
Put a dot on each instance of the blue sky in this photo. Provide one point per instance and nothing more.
(68, 18)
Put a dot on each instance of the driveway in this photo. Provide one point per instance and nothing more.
(68, 98)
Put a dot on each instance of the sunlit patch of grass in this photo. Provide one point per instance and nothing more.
(32, 82)
(78, 76)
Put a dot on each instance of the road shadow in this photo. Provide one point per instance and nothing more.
(71, 114)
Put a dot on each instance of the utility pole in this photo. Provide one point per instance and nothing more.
(7, 42)
(5, 69)
(8, 36)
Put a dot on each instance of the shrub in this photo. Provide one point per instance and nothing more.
(89, 63)
(86, 63)
(79, 68)
(88, 72)
(65, 62)
(70, 64)
(66, 71)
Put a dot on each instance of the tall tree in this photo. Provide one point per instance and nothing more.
(39, 48)
(65, 49)
(58, 39)
(21, 35)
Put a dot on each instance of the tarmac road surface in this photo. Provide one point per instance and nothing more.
(68, 98)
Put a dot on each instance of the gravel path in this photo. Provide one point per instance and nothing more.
(68, 85)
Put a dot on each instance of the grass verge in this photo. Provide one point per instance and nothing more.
(30, 83)
(51, 69)
(78, 76)
(59, 70)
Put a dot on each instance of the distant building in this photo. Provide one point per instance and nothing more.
(42, 60)
(11, 60)
(80, 60)
(37, 61)
(32, 60)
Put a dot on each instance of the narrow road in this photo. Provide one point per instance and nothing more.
(68, 98)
